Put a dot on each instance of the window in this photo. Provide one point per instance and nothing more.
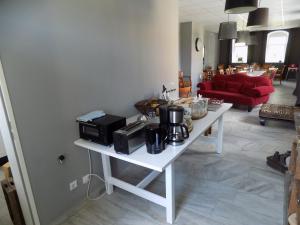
(239, 52)
(276, 46)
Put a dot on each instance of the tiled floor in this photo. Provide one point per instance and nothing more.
(235, 188)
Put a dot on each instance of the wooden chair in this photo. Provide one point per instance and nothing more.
(221, 72)
(272, 75)
(229, 70)
(208, 74)
(266, 66)
(221, 67)
(280, 74)
(205, 76)
(255, 66)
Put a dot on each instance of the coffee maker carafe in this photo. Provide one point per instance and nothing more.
(177, 131)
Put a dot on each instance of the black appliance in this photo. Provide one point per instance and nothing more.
(164, 116)
(177, 131)
(156, 137)
(129, 138)
(100, 130)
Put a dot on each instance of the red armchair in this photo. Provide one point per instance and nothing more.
(238, 89)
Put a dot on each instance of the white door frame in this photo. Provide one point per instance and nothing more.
(15, 156)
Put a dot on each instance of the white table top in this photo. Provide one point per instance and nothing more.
(256, 73)
(160, 161)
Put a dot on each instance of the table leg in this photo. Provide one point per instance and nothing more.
(107, 173)
(170, 195)
(220, 135)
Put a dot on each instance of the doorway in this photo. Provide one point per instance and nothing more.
(13, 151)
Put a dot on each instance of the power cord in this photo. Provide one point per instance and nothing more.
(91, 174)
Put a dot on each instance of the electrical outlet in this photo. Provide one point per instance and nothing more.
(73, 185)
(86, 179)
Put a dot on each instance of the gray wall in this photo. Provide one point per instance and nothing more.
(185, 47)
(62, 58)
(211, 43)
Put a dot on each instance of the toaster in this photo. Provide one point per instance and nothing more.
(129, 138)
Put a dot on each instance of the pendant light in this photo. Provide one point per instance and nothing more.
(240, 6)
(258, 18)
(228, 30)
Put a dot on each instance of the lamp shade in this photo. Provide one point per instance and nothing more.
(228, 30)
(258, 18)
(240, 6)
(243, 37)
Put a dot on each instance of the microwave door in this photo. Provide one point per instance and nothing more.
(91, 131)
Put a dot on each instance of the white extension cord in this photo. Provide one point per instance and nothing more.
(91, 174)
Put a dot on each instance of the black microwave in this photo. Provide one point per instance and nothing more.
(101, 130)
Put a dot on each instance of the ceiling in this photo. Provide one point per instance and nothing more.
(210, 13)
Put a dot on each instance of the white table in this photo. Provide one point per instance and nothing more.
(256, 73)
(157, 163)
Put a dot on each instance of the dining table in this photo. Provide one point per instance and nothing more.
(255, 73)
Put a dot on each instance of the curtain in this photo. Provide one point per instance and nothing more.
(225, 52)
(256, 53)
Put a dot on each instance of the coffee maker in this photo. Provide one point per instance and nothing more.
(171, 117)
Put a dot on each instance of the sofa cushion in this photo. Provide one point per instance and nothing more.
(233, 87)
(205, 85)
(248, 85)
(234, 97)
(247, 89)
(219, 85)
(262, 81)
(228, 97)
(262, 91)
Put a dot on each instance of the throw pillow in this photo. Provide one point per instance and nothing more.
(233, 87)
(219, 85)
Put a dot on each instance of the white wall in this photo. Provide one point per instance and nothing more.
(62, 58)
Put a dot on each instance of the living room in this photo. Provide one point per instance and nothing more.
(67, 65)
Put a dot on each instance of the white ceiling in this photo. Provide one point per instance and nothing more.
(210, 13)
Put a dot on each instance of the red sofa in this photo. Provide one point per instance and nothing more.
(238, 89)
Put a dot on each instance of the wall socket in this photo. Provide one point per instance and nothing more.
(86, 179)
(73, 185)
